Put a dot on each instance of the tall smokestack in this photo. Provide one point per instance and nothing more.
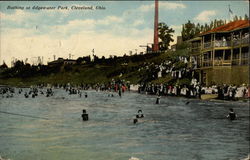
(156, 43)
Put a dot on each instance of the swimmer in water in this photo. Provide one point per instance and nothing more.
(158, 99)
(85, 116)
(232, 115)
(135, 120)
(140, 114)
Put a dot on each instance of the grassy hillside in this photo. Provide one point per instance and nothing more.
(121, 68)
(136, 69)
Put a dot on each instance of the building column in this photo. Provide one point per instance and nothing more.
(231, 41)
(200, 77)
(231, 57)
(223, 57)
(202, 43)
(240, 48)
(213, 51)
(231, 48)
(202, 59)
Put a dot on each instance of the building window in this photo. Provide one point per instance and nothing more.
(236, 56)
(244, 56)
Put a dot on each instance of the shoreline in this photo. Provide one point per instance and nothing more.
(241, 99)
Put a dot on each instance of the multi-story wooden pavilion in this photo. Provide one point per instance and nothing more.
(221, 55)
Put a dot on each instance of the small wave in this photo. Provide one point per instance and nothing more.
(134, 158)
(248, 158)
(3, 158)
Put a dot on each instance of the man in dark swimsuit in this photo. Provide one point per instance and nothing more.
(231, 115)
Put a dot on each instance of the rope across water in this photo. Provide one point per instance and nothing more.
(23, 115)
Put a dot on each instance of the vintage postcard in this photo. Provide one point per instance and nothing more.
(124, 80)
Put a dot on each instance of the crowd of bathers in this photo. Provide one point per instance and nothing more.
(224, 92)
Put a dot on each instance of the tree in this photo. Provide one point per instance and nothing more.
(18, 64)
(79, 60)
(188, 31)
(197, 30)
(87, 59)
(235, 18)
(96, 59)
(246, 17)
(165, 35)
(202, 28)
(215, 23)
(3, 66)
(206, 28)
(211, 25)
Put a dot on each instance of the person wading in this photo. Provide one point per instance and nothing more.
(232, 115)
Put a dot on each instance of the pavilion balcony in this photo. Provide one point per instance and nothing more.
(245, 40)
(222, 43)
(220, 62)
(244, 61)
(195, 49)
(207, 63)
(207, 45)
(236, 42)
(236, 62)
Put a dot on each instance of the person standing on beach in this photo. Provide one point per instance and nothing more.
(120, 90)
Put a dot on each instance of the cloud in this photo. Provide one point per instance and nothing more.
(110, 19)
(138, 22)
(171, 5)
(163, 6)
(146, 8)
(109, 35)
(176, 27)
(47, 22)
(204, 16)
(75, 26)
(26, 19)
(21, 44)
(81, 24)
(17, 16)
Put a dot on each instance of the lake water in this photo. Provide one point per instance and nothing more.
(171, 130)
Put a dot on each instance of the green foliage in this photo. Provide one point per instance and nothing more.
(82, 60)
(235, 18)
(68, 68)
(101, 71)
(179, 65)
(188, 31)
(3, 66)
(184, 81)
(246, 17)
(163, 80)
(191, 30)
(182, 46)
(173, 56)
(165, 35)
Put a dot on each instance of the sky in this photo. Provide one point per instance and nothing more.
(110, 28)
